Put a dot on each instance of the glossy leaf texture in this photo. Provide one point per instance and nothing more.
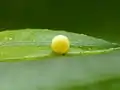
(93, 72)
(35, 43)
(74, 71)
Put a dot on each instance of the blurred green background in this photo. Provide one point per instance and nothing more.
(99, 18)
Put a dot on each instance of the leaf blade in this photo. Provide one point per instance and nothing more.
(36, 42)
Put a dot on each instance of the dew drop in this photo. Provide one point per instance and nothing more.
(10, 38)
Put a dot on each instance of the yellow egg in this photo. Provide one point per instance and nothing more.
(60, 44)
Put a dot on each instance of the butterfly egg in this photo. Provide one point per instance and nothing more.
(60, 44)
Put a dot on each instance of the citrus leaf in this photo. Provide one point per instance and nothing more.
(35, 43)
(68, 72)
(93, 72)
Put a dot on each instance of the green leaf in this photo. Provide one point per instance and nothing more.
(28, 44)
(74, 71)
(93, 72)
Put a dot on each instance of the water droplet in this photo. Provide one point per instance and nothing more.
(10, 38)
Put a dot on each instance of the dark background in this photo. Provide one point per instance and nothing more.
(99, 18)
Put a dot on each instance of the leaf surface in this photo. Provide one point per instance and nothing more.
(74, 71)
(35, 43)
